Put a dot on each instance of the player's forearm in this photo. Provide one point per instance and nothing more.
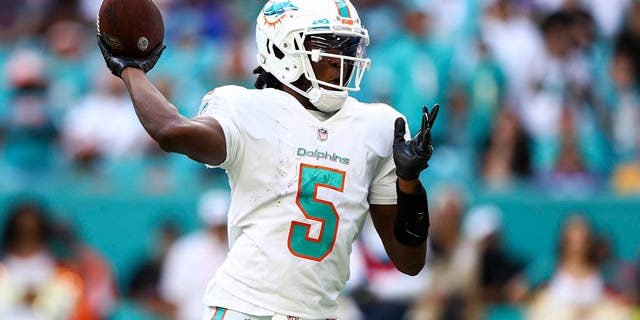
(409, 186)
(408, 259)
(201, 139)
(154, 111)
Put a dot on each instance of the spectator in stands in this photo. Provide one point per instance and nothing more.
(457, 133)
(511, 37)
(100, 287)
(452, 290)
(28, 132)
(618, 274)
(570, 173)
(238, 57)
(506, 157)
(559, 78)
(412, 85)
(628, 40)
(608, 16)
(486, 90)
(625, 104)
(22, 19)
(546, 85)
(193, 259)
(35, 285)
(576, 289)
(454, 21)
(383, 292)
(625, 124)
(143, 289)
(189, 72)
(93, 143)
(68, 64)
(500, 271)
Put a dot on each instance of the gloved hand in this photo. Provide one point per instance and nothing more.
(412, 156)
(117, 63)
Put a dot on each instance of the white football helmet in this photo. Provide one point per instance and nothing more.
(332, 30)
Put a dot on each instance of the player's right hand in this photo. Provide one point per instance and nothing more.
(117, 63)
(412, 156)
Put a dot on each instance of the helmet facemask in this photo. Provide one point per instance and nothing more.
(334, 64)
(331, 52)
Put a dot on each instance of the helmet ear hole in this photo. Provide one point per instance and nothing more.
(278, 53)
(268, 46)
(295, 45)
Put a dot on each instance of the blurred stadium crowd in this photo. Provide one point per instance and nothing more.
(541, 98)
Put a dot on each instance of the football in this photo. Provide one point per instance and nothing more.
(131, 28)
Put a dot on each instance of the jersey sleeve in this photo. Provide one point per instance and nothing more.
(383, 186)
(216, 105)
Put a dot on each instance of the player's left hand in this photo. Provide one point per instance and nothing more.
(412, 156)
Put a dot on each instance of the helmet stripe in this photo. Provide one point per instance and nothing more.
(343, 9)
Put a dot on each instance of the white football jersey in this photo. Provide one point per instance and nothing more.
(301, 190)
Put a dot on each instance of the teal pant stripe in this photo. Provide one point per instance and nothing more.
(343, 9)
(219, 315)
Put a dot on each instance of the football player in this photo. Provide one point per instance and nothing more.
(306, 163)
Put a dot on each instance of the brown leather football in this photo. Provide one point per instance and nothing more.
(131, 28)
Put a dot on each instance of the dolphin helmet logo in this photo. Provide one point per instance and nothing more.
(274, 11)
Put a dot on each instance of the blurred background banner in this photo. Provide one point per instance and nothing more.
(534, 185)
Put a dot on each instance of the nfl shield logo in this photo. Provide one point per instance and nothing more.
(323, 134)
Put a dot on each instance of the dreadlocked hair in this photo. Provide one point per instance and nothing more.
(266, 79)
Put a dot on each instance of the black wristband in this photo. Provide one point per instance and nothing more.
(411, 227)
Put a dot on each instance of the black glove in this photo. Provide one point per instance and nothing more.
(117, 63)
(411, 157)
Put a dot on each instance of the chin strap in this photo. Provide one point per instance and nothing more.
(327, 100)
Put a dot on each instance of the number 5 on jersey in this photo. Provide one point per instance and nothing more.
(301, 244)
